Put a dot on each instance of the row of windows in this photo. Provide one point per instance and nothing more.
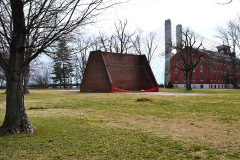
(193, 78)
(212, 77)
(217, 77)
(201, 69)
(218, 69)
(193, 60)
(224, 62)
(219, 61)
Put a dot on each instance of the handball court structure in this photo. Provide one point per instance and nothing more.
(114, 72)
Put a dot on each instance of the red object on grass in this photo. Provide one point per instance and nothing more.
(114, 89)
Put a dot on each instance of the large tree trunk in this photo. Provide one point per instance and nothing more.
(26, 80)
(16, 120)
(188, 82)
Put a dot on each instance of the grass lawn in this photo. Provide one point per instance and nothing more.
(74, 125)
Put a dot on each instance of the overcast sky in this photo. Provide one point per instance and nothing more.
(202, 16)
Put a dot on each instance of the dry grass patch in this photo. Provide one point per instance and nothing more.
(144, 100)
(203, 130)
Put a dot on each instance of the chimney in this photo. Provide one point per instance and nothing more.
(168, 48)
(179, 35)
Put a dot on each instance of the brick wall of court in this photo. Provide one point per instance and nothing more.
(123, 71)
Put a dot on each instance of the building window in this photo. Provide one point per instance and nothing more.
(175, 62)
(214, 77)
(193, 77)
(176, 70)
(176, 78)
(201, 59)
(192, 60)
(201, 77)
(218, 68)
(214, 68)
(194, 69)
(218, 78)
(201, 68)
(211, 77)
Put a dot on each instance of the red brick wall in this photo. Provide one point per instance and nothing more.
(197, 72)
(207, 71)
(128, 72)
(95, 76)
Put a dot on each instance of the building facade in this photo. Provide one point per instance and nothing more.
(215, 70)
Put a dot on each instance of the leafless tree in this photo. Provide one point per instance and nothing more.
(40, 74)
(151, 46)
(123, 38)
(145, 45)
(120, 41)
(230, 35)
(81, 51)
(188, 56)
(138, 43)
(27, 29)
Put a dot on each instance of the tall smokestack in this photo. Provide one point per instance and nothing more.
(179, 35)
(168, 54)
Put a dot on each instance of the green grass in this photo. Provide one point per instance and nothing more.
(210, 91)
(76, 125)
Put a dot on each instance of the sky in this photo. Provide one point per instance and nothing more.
(202, 16)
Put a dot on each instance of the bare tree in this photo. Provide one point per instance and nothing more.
(230, 35)
(188, 56)
(40, 74)
(145, 45)
(80, 56)
(123, 38)
(27, 29)
(151, 46)
(137, 43)
(120, 41)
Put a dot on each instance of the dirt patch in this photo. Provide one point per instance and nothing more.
(37, 108)
(144, 100)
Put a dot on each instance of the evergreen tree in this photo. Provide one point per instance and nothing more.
(62, 68)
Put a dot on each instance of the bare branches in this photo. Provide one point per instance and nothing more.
(120, 41)
(150, 46)
(230, 34)
(230, 1)
(48, 20)
(188, 55)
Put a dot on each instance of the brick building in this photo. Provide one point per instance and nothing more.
(113, 72)
(213, 71)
